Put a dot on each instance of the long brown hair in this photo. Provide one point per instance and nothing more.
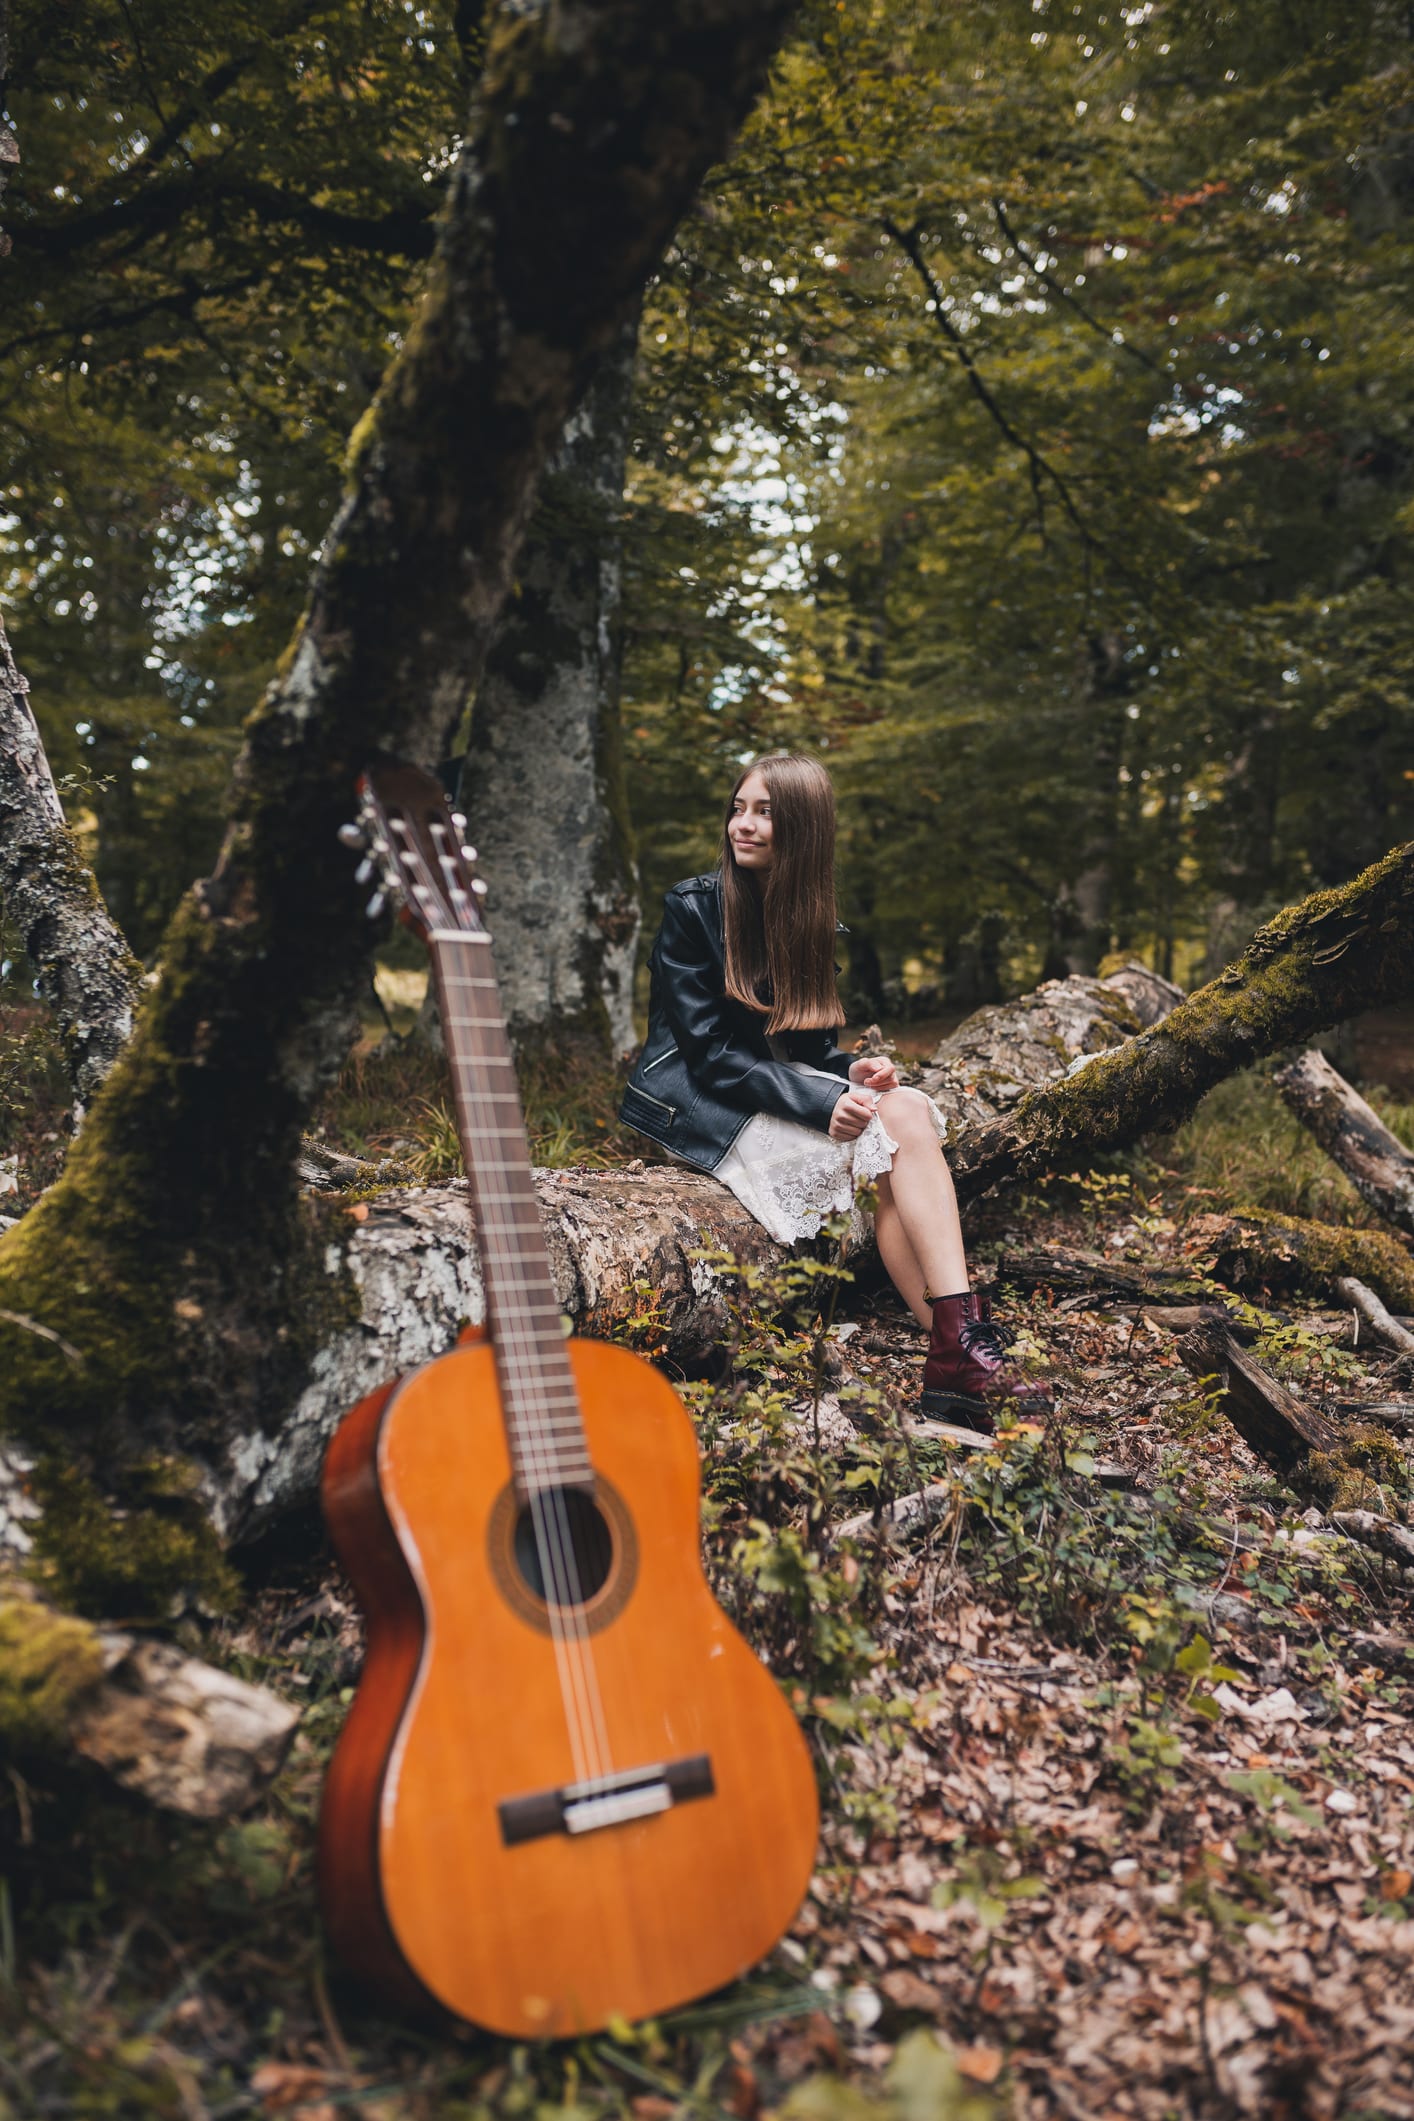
(780, 940)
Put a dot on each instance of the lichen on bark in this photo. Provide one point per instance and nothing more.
(543, 780)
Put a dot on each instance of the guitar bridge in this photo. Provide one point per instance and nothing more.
(605, 1800)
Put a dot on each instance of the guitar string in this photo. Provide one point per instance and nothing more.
(536, 1436)
(554, 1545)
(554, 1539)
(550, 1527)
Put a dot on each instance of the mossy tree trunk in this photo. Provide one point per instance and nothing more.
(1337, 953)
(543, 782)
(188, 1282)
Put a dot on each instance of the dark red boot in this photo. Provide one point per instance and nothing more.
(968, 1377)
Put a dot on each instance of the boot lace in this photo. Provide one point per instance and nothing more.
(986, 1341)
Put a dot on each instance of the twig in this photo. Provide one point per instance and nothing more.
(32, 1325)
(1072, 301)
(1039, 466)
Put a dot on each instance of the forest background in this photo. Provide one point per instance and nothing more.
(1020, 420)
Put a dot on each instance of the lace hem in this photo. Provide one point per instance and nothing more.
(792, 1178)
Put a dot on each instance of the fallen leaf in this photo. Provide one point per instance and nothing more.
(908, 1992)
(982, 2064)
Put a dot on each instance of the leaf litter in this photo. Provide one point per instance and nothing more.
(1118, 1785)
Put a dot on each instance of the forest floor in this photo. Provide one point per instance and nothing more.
(1116, 1751)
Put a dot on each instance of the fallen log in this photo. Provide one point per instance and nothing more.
(1354, 1136)
(1386, 1537)
(1272, 1420)
(166, 1727)
(1258, 1249)
(623, 1247)
(1397, 1415)
(1337, 953)
(1092, 1274)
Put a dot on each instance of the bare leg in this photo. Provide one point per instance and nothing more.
(900, 1259)
(919, 1231)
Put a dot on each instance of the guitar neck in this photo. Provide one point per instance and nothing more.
(541, 1407)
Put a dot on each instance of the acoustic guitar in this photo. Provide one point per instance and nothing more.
(567, 1792)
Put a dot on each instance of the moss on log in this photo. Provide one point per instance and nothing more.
(1337, 953)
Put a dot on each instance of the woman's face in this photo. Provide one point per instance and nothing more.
(749, 828)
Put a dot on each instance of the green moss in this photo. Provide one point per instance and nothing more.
(128, 1558)
(1325, 1252)
(47, 1660)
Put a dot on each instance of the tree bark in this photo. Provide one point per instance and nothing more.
(623, 1250)
(1367, 1305)
(173, 1255)
(1337, 953)
(1353, 1136)
(543, 781)
(85, 970)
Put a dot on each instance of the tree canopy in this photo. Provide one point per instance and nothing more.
(1020, 421)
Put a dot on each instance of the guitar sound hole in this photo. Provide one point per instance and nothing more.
(580, 1546)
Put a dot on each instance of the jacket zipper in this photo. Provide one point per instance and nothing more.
(661, 1103)
(660, 1060)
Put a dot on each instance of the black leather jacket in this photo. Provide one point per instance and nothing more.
(706, 1066)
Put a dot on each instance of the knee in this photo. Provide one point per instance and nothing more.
(907, 1112)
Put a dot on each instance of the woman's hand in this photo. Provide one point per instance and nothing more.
(851, 1115)
(874, 1072)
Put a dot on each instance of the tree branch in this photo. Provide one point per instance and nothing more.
(407, 231)
(1038, 466)
(1072, 301)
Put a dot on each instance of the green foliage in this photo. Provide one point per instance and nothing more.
(1030, 351)
(772, 1489)
(1021, 420)
(922, 2083)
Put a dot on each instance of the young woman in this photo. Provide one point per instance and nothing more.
(740, 1075)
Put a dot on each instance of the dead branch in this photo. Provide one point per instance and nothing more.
(1381, 1533)
(172, 1730)
(1376, 1317)
(1268, 1417)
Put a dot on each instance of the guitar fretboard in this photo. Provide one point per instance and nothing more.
(541, 1406)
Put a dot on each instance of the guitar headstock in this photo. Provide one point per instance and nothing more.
(413, 842)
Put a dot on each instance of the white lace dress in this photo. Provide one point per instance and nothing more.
(792, 1177)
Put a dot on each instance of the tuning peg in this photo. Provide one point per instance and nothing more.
(352, 835)
(376, 905)
(459, 820)
(468, 854)
(364, 870)
(478, 885)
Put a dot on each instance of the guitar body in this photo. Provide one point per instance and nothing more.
(462, 1857)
